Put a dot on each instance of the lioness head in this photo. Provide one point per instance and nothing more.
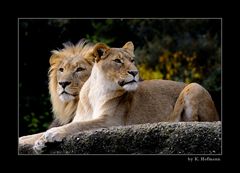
(117, 65)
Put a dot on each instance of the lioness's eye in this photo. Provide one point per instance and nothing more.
(80, 69)
(61, 69)
(117, 61)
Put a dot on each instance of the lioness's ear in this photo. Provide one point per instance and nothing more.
(54, 58)
(99, 50)
(129, 45)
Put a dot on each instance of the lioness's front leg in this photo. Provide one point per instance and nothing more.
(52, 135)
(57, 134)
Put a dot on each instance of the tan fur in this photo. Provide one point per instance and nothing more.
(69, 58)
(105, 101)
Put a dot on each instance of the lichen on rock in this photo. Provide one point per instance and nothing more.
(156, 138)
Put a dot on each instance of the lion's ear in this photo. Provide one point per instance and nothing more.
(129, 45)
(99, 50)
(54, 58)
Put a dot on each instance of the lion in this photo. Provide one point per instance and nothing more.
(70, 67)
(114, 96)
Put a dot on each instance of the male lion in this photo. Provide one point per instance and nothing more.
(114, 96)
(70, 67)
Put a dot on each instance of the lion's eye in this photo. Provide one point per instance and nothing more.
(132, 60)
(117, 61)
(80, 69)
(61, 69)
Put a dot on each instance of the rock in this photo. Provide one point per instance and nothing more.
(157, 138)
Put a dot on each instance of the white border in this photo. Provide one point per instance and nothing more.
(190, 155)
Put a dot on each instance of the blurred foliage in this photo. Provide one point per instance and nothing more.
(187, 50)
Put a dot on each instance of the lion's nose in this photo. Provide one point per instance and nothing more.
(133, 72)
(64, 84)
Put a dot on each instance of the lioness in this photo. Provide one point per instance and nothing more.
(114, 96)
(70, 67)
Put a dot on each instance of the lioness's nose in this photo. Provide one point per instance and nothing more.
(64, 84)
(133, 72)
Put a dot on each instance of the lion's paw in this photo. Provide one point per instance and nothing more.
(55, 134)
(22, 140)
(40, 145)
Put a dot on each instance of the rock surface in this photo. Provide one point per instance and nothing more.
(157, 138)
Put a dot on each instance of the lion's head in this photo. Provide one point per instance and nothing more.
(117, 65)
(70, 68)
